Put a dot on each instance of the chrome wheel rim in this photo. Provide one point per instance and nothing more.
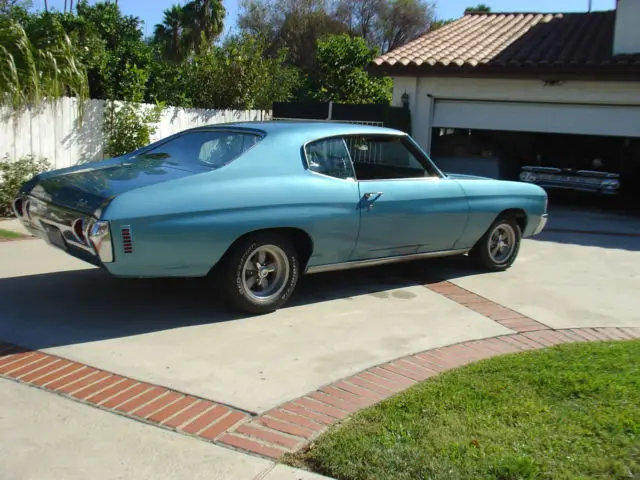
(502, 243)
(265, 273)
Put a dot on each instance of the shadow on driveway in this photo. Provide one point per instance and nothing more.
(72, 307)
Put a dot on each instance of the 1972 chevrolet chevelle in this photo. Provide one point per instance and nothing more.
(261, 202)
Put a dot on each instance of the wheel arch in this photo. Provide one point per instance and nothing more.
(519, 214)
(301, 239)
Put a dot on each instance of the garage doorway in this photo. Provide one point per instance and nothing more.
(503, 154)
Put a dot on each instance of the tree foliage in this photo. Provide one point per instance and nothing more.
(8, 7)
(108, 43)
(238, 75)
(481, 7)
(401, 21)
(385, 24)
(285, 50)
(291, 24)
(13, 174)
(38, 63)
(192, 27)
(129, 125)
(172, 33)
(342, 75)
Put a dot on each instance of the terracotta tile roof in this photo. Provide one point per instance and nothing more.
(520, 41)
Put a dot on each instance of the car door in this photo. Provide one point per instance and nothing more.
(332, 195)
(406, 206)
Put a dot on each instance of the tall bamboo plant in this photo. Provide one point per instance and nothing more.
(38, 64)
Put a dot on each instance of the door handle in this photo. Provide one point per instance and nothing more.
(370, 197)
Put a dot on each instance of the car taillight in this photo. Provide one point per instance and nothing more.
(127, 240)
(79, 230)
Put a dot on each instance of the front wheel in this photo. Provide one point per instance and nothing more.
(261, 274)
(499, 246)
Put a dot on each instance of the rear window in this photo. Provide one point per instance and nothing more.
(212, 149)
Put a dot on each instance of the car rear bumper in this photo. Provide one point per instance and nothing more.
(78, 234)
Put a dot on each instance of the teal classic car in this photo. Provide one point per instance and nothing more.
(254, 205)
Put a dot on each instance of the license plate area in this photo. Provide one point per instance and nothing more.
(54, 236)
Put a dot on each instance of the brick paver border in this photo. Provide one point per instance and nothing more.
(141, 401)
(504, 316)
(290, 426)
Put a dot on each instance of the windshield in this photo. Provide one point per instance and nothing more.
(208, 148)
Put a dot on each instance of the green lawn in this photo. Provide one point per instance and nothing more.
(571, 412)
(6, 234)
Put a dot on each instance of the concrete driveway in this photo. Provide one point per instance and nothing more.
(178, 334)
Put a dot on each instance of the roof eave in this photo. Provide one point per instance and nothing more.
(572, 72)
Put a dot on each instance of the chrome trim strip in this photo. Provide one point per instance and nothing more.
(41, 212)
(100, 237)
(543, 222)
(383, 261)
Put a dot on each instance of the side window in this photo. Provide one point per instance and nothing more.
(329, 157)
(381, 157)
(208, 148)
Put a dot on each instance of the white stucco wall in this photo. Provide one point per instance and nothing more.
(424, 91)
(627, 33)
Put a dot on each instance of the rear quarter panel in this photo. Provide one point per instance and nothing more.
(488, 198)
(183, 227)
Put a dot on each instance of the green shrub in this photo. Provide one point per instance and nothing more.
(13, 173)
(129, 126)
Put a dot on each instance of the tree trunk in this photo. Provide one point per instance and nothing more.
(70, 6)
(65, 7)
(46, 6)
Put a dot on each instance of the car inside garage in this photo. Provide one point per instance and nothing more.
(607, 167)
(548, 98)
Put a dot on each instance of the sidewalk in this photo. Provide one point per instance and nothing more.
(50, 438)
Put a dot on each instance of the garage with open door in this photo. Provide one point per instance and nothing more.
(499, 139)
(582, 119)
(550, 98)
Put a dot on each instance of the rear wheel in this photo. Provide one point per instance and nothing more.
(499, 246)
(261, 273)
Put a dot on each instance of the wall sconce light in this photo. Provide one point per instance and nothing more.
(405, 100)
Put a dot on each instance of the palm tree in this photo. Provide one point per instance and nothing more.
(205, 21)
(38, 64)
(170, 34)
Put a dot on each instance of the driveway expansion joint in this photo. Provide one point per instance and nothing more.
(500, 314)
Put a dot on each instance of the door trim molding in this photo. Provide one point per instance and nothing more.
(371, 262)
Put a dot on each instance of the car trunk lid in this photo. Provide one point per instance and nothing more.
(86, 189)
